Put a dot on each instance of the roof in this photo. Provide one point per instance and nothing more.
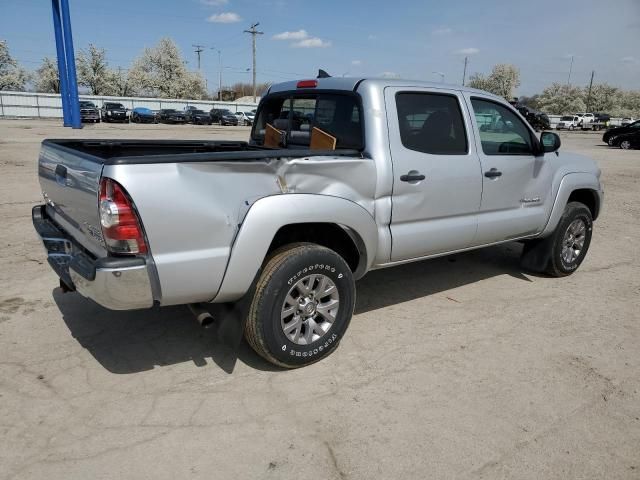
(350, 83)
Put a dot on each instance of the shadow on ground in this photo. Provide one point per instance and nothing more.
(134, 341)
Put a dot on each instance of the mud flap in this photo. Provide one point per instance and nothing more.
(536, 254)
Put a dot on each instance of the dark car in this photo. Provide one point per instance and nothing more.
(627, 141)
(197, 117)
(610, 135)
(223, 117)
(89, 112)
(113, 112)
(143, 115)
(538, 120)
(170, 115)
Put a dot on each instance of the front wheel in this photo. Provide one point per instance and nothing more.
(611, 141)
(625, 144)
(302, 305)
(570, 241)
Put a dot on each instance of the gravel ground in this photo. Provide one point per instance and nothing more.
(461, 367)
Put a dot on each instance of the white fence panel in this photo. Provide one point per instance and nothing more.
(49, 105)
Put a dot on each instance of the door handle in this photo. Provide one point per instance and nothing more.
(412, 176)
(493, 173)
(61, 171)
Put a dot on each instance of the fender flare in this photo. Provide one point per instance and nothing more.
(569, 183)
(267, 215)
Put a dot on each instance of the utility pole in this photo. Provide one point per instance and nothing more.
(198, 50)
(593, 72)
(219, 71)
(252, 30)
(464, 72)
(570, 70)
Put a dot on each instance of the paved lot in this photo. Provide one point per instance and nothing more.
(462, 367)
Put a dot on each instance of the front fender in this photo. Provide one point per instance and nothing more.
(269, 214)
(569, 183)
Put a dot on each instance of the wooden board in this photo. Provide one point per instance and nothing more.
(272, 137)
(322, 140)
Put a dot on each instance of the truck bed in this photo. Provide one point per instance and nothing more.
(128, 152)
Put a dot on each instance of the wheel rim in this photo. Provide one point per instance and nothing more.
(625, 144)
(611, 140)
(309, 309)
(573, 241)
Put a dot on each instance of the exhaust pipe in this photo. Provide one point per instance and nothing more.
(204, 318)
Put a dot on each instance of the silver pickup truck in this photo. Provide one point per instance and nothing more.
(364, 174)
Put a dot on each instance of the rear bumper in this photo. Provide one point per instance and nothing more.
(117, 283)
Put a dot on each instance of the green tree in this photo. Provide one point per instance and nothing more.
(12, 76)
(46, 77)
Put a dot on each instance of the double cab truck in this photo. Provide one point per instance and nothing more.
(370, 174)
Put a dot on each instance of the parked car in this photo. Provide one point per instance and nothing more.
(143, 115)
(171, 115)
(113, 112)
(223, 117)
(197, 117)
(244, 118)
(568, 122)
(627, 141)
(291, 224)
(89, 112)
(585, 119)
(626, 121)
(610, 135)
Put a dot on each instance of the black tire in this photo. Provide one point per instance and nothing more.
(282, 271)
(557, 266)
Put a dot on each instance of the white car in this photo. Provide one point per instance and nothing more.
(245, 118)
(586, 118)
(568, 122)
(626, 121)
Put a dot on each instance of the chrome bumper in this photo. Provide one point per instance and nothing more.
(117, 283)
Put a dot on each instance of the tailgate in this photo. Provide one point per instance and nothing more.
(70, 183)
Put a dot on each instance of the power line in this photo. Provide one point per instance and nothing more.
(252, 30)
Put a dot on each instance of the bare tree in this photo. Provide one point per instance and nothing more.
(47, 79)
(12, 76)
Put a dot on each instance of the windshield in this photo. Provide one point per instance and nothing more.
(142, 110)
(197, 111)
(566, 119)
(308, 119)
(170, 111)
(87, 105)
(249, 114)
(114, 105)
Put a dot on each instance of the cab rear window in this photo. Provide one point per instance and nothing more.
(338, 115)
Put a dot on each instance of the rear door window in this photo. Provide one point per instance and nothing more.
(431, 123)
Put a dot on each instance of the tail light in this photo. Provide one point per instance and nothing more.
(121, 226)
(307, 84)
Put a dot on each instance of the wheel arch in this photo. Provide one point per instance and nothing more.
(579, 187)
(273, 221)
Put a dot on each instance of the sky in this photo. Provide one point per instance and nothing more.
(414, 39)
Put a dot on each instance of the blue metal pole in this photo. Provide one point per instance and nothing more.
(62, 63)
(74, 102)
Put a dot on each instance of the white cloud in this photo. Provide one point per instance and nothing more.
(297, 35)
(356, 63)
(467, 51)
(214, 3)
(629, 59)
(311, 42)
(389, 75)
(226, 17)
(442, 31)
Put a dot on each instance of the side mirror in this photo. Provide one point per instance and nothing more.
(550, 142)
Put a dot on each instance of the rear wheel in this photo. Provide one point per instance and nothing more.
(302, 305)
